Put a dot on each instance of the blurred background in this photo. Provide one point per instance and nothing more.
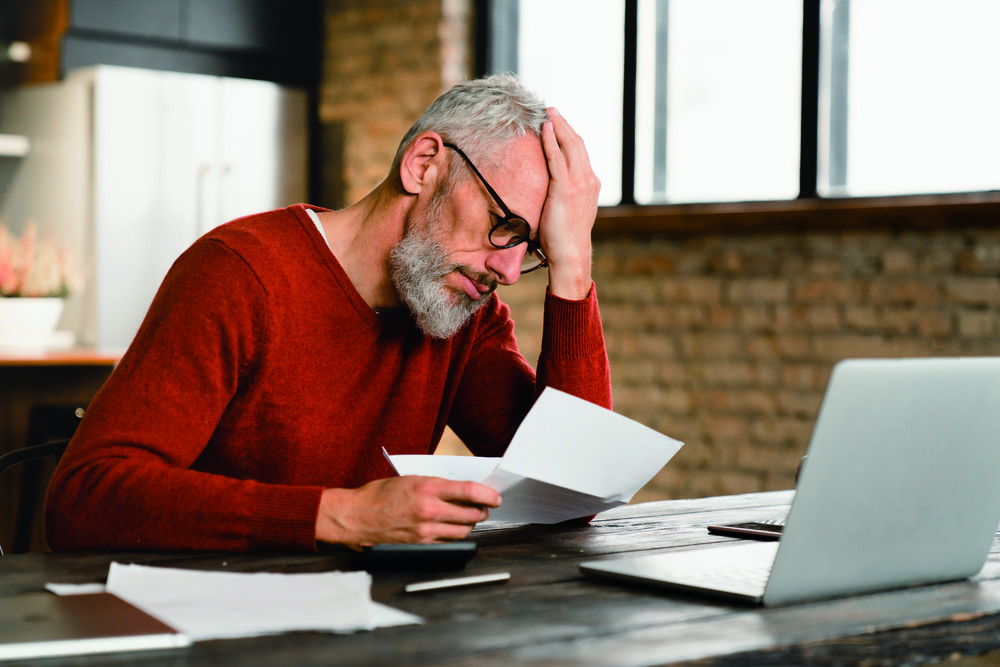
(786, 183)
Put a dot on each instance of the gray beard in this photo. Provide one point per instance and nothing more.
(418, 265)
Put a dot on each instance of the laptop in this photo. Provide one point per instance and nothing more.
(901, 488)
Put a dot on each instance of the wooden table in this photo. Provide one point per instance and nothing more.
(29, 377)
(548, 613)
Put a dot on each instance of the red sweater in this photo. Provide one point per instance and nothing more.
(260, 376)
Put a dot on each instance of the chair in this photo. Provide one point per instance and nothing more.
(47, 423)
(25, 455)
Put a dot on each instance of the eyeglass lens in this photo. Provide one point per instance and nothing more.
(512, 230)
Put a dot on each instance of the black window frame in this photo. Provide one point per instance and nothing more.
(488, 12)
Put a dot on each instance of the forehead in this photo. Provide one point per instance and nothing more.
(520, 176)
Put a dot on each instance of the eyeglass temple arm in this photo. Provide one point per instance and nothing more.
(493, 193)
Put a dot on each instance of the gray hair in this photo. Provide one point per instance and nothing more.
(480, 115)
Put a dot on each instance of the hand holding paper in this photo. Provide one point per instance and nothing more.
(569, 458)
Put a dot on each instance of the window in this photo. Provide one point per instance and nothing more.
(577, 74)
(896, 97)
(910, 97)
(718, 96)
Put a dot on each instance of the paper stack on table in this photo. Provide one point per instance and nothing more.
(569, 458)
(216, 605)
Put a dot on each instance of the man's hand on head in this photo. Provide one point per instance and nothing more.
(411, 508)
(569, 211)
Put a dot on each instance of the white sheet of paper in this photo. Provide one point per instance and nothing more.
(215, 605)
(74, 589)
(460, 468)
(569, 458)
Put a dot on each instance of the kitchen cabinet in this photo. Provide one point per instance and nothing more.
(131, 166)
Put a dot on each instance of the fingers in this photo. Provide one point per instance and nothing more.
(553, 153)
(570, 144)
(469, 493)
(404, 509)
(569, 210)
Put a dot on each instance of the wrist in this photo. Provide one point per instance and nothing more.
(332, 524)
(570, 280)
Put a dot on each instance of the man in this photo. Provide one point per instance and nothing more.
(284, 350)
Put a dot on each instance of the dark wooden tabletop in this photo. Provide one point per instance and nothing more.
(549, 614)
(77, 356)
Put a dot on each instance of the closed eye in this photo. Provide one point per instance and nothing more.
(505, 225)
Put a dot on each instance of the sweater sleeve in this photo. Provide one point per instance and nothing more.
(574, 357)
(498, 386)
(126, 480)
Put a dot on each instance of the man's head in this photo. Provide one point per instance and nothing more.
(480, 116)
(444, 267)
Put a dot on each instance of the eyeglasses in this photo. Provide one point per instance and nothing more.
(512, 230)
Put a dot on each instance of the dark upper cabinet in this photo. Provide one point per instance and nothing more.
(157, 19)
(275, 40)
(258, 25)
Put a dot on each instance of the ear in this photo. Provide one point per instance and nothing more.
(422, 163)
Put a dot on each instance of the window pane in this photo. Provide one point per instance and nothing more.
(914, 97)
(572, 53)
(718, 103)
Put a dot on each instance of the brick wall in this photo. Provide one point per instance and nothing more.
(726, 341)
(384, 62)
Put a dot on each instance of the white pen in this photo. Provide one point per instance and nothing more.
(476, 580)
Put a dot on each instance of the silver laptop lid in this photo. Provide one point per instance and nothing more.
(902, 483)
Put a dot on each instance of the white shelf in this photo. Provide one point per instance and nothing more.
(12, 145)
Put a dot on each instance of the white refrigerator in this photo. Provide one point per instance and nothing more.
(130, 166)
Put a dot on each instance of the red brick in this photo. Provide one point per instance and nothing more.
(721, 317)
(759, 291)
(935, 323)
(762, 458)
(861, 318)
(671, 372)
(769, 319)
(724, 373)
(906, 292)
(898, 260)
(728, 429)
(733, 482)
(974, 291)
(782, 431)
(711, 345)
(809, 375)
(778, 480)
(779, 347)
(977, 324)
(828, 290)
(835, 348)
(823, 319)
(897, 321)
(697, 290)
(799, 403)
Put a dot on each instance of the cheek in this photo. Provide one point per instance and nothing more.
(465, 232)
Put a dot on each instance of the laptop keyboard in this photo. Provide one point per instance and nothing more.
(755, 577)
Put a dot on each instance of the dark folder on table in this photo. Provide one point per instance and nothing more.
(37, 625)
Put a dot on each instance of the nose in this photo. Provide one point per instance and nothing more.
(505, 263)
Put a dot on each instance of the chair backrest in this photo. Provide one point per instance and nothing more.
(32, 453)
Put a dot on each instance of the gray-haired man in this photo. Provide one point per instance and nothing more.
(285, 350)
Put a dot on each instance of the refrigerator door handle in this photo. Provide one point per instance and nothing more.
(224, 195)
(207, 200)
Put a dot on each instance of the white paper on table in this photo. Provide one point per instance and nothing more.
(74, 589)
(569, 458)
(215, 605)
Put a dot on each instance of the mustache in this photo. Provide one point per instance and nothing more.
(478, 277)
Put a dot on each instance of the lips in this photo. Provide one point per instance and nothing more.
(473, 289)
